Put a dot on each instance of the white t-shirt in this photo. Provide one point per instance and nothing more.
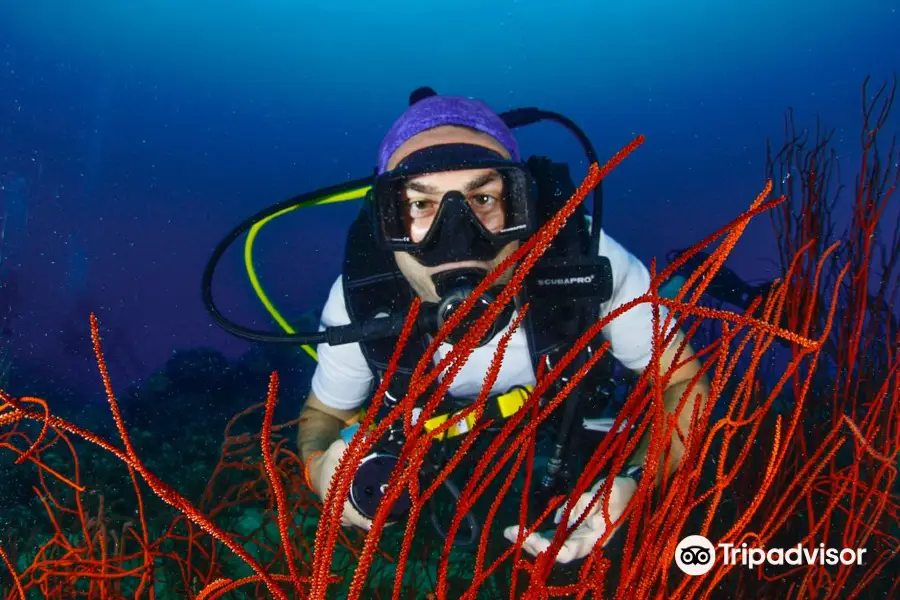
(343, 380)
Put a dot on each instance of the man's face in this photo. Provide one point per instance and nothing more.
(483, 189)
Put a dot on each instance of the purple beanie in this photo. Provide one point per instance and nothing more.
(435, 111)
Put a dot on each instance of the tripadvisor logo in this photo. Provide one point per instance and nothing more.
(696, 555)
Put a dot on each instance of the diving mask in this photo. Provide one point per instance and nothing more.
(493, 206)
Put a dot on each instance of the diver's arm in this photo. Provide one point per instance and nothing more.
(320, 425)
(679, 383)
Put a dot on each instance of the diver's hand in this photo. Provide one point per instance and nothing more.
(581, 541)
(321, 471)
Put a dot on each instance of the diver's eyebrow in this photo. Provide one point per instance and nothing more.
(482, 181)
(474, 184)
(422, 188)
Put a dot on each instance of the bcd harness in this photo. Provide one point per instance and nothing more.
(564, 290)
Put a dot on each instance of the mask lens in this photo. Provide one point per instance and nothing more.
(498, 198)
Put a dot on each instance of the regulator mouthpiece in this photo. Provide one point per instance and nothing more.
(454, 287)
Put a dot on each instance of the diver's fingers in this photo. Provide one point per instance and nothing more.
(577, 545)
(580, 507)
(352, 518)
(534, 544)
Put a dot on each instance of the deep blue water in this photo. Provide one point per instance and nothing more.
(144, 131)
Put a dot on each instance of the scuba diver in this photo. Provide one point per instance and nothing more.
(450, 199)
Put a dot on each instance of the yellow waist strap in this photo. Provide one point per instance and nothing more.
(508, 405)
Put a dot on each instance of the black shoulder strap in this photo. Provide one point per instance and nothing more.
(567, 285)
(373, 285)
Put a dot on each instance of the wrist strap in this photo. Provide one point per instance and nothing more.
(634, 472)
(306, 469)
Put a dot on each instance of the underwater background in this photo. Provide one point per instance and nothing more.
(135, 135)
